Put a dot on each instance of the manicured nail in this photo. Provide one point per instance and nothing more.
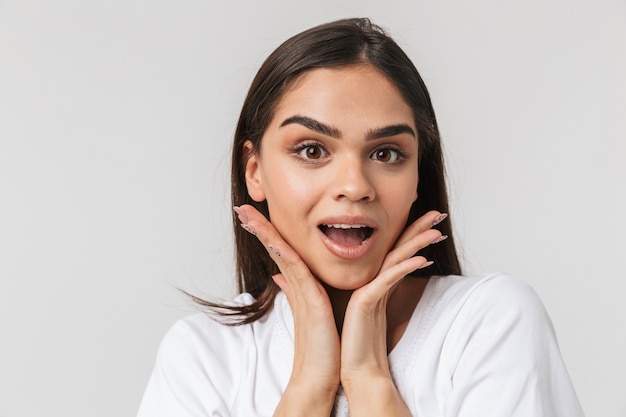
(427, 264)
(439, 239)
(243, 218)
(440, 218)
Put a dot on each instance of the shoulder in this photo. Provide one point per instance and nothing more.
(205, 335)
(489, 308)
(201, 341)
(496, 293)
(495, 309)
(498, 333)
(199, 366)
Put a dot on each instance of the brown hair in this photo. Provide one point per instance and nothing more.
(339, 43)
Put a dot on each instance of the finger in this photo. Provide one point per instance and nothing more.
(288, 261)
(256, 223)
(425, 222)
(382, 285)
(411, 246)
(417, 236)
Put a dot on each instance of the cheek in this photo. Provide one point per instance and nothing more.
(399, 201)
(289, 191)
(290, 196)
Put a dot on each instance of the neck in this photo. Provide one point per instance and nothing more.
(400, 306)
(339, 301)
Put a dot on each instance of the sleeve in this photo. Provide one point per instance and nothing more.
(183, 381)
(505, 357)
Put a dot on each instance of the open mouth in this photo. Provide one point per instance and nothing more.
(347, 234)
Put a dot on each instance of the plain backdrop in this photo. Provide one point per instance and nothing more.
(115, 125)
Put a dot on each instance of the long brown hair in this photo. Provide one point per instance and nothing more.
(339, 43)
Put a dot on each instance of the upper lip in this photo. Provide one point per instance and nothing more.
(348, 220)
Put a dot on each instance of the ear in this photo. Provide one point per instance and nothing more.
(254, 181)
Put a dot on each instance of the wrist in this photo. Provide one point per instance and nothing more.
(366, 376)
(374, 396)
(303, 398)
(365, 384)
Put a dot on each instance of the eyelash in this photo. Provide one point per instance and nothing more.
(301, 149)
(400, 154)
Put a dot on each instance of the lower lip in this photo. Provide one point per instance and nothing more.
(348, 252)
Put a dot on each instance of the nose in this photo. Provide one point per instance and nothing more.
(352, 183)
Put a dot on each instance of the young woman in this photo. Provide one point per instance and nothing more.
(352, 298)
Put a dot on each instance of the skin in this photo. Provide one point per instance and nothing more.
(341, 148)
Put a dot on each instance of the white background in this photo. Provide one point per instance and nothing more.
(115, 125)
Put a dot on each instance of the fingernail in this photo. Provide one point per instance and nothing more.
(427, 264)
(439, 239)
(243, 218)
(440, 218)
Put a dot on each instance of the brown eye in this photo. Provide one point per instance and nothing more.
(383, 155)
(388, 155)
(312, 152)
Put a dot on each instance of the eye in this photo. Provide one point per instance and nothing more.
(388, 155)
(311, 151)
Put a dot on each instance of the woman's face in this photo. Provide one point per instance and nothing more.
(338, 168)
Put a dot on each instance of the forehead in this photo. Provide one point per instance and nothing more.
(337, 92)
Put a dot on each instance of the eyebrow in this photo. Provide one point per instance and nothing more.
(333, 132)
(313, 125)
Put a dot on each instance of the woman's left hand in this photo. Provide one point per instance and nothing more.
(364, 364)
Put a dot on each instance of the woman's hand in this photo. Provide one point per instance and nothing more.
(315, 376)
(365, 373)
(359, 361)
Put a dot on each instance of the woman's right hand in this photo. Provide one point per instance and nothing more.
(316, 368)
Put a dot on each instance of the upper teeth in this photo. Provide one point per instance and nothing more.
(346, 226)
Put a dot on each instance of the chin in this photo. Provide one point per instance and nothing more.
(347, 279)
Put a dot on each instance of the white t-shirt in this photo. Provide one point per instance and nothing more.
(474, 346)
